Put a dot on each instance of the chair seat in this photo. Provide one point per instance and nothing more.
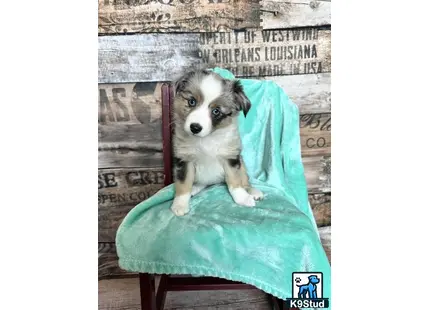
(260, 246)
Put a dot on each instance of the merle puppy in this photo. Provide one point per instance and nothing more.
(206, 141)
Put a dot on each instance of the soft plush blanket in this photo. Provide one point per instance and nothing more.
(260, 246)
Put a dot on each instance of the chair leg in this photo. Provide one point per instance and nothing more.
(147, 292)
(162, 292)
(277, 304)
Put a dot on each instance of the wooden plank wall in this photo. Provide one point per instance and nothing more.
(143, 43)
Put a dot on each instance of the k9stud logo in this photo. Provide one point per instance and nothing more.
(307, 291)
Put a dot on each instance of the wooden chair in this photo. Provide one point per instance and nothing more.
(152, 299)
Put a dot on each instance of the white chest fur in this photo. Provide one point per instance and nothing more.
(209, 171)
(207, 162)
(210, 153)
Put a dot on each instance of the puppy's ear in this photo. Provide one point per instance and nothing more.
(240, 99)
(178, 85)
(181, 83)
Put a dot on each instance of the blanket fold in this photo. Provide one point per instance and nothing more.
(260, 246)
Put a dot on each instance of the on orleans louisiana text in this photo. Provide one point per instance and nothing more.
(267, 52)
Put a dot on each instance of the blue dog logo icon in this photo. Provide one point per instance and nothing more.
(309, 295)
(309, 290)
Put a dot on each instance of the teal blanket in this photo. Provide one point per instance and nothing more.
(260, 246)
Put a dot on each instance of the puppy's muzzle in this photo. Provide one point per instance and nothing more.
(195, 128)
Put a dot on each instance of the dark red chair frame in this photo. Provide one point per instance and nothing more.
(150, 298)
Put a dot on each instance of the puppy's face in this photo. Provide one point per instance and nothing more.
(205, 102)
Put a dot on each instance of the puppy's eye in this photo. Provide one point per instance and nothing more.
(192, 102)
(216, 112)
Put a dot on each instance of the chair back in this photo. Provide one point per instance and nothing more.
(166, 119)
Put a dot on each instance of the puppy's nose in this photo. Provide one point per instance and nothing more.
(195, 128)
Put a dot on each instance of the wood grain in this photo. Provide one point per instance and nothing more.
(119, 190)
(130, 123)
(145, 16)
(325, 235)
(251, 53)
(123, 108)
(141, 16)
(130, 103)
(108, 261)
(129, 185)
(318, 173)
(315, 134)
(310, 92)
(317, 168)
(277, 14)
(124, 294)
(321, 208)
(140, 103)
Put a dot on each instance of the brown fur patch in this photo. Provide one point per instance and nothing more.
(244, 175)
(181, 109)
(236, 177)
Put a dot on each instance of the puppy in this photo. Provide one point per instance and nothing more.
(206, 141)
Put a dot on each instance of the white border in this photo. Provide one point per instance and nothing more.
(49, 155)
(379, 160)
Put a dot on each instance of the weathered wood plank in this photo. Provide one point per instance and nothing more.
(251, 53)
(129, 158)
(140, 103)
(321, 208)
(106, 248)
(108, 261)
(276, 14)
(130, 126)
(130, 103)
(310, 92)
(111, 137)
(123, 108)
(124, 294)
(128, 186)
(119, 190)
(141, 16)
(318, 173)
(325, 235)
(138, 145)
(315, 134)
(123, 157)
(132, 146)
(218, 300)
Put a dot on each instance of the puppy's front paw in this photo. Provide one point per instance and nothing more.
(180, 206)
(241, 197)
(256, 193)
(247, 201)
